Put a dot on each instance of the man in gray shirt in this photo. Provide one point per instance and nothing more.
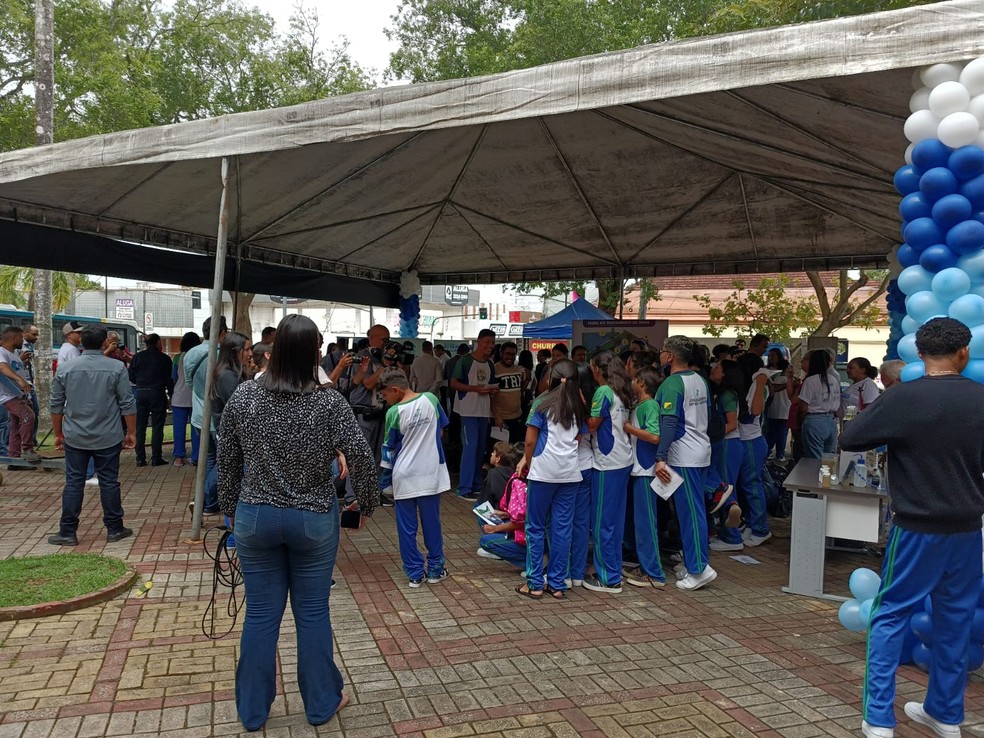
(88, 395)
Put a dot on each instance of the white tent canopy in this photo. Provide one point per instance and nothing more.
(769, 150)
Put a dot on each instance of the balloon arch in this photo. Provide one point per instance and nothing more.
(938, 270)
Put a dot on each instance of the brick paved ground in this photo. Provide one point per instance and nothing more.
(466, 657)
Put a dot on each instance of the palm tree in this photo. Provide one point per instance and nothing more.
(17, 287)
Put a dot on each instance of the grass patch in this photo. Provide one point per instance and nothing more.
(33, 580)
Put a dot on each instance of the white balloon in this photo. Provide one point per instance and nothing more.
(958, 129)
(917, 79)
(980, 140)
(909, 325)
(972, 77)
(919, 100)
(976, 107)
(947, 98)
(921, 125)
(937, 74)
(908, 153)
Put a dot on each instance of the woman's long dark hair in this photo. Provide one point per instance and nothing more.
(613, 371)
(294, 357)
(562, 403)
(733, 380)
(586, 381)
(188, 341)
(230, 351)
(864, 365)
(525, 359)
(819, 364)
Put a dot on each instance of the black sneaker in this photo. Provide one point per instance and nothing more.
(439, 577)
(18, 467)
(416, 583)
(385, 501)
(594, 584)
(141, 463)
(60, 540)
(118, 535)
(158, 462)
(468, 495)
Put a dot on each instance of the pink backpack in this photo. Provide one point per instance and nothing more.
(514, 502)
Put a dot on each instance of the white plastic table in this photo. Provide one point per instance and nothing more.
(838, 511)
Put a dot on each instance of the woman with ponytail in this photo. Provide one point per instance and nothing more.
(864, 391)
(550, 463)
(611, 467)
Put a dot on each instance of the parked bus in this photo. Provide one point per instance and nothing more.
(129, 331)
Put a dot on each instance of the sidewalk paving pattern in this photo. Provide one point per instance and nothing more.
(467, 657)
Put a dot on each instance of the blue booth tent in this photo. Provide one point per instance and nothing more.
(559, 325)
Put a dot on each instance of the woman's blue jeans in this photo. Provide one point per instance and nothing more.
(819, 435)
(285, 550)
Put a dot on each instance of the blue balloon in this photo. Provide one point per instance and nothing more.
(938, 182)
(950, 210)
(928, 604)
(931, 153)
(909, 325)
(973, 264)
(974, 370)
(965, 237)
(922, 626)
(980, 597)
(906, 179)
(936, 258)
(909, 642)
(865, 611)
(973, 190)
(968, 309)
(907, 256)
(849, 615)
(922, 656)
(907, 348)
(915, 370)
(925, 305)
(977, 344)
(915, 205)
(864, 584)
(923, 233)
(966, 162)
(949, 284)
(914, 279)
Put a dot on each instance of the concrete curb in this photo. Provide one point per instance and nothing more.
(76, 603)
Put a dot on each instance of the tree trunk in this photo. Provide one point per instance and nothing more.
(44, 119)
(242, 321)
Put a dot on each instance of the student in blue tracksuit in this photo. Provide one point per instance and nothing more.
(753, 450)
(728, 382)
(553, 477)
(581, 529)
(610, 473)
(473, 384)
(934, 431)
(644, 432)
(684, 400)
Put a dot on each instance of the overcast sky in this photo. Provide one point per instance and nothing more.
(361, 21)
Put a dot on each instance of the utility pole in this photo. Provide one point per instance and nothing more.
(44, 127)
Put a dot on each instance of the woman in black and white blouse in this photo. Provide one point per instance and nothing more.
(288, 430)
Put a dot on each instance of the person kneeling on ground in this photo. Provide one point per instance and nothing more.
(507, 541)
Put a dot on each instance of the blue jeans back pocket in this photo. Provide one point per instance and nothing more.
(245, 523)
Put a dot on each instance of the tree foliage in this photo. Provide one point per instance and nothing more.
(611, 292)
(17, 287)
(769, 308)
(123, 64)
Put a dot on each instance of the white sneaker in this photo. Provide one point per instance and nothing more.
(718, 545)
(680, 571)
(692, 582)
(753, 540)
(487, 554)
(873, 731)
(94, 482)
(915, 711)
(571, 583)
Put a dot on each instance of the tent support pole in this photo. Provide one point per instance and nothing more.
(213, 344)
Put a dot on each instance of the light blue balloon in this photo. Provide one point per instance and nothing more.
(950, 284)
(977, 342)
(909, 325)
(924, 305)
(915, 279)
(865, 612)
(968, 309)
(973, 264)
(915, 370)
(975, 370)
(907, 348)
(864, 583)
(849, 615)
